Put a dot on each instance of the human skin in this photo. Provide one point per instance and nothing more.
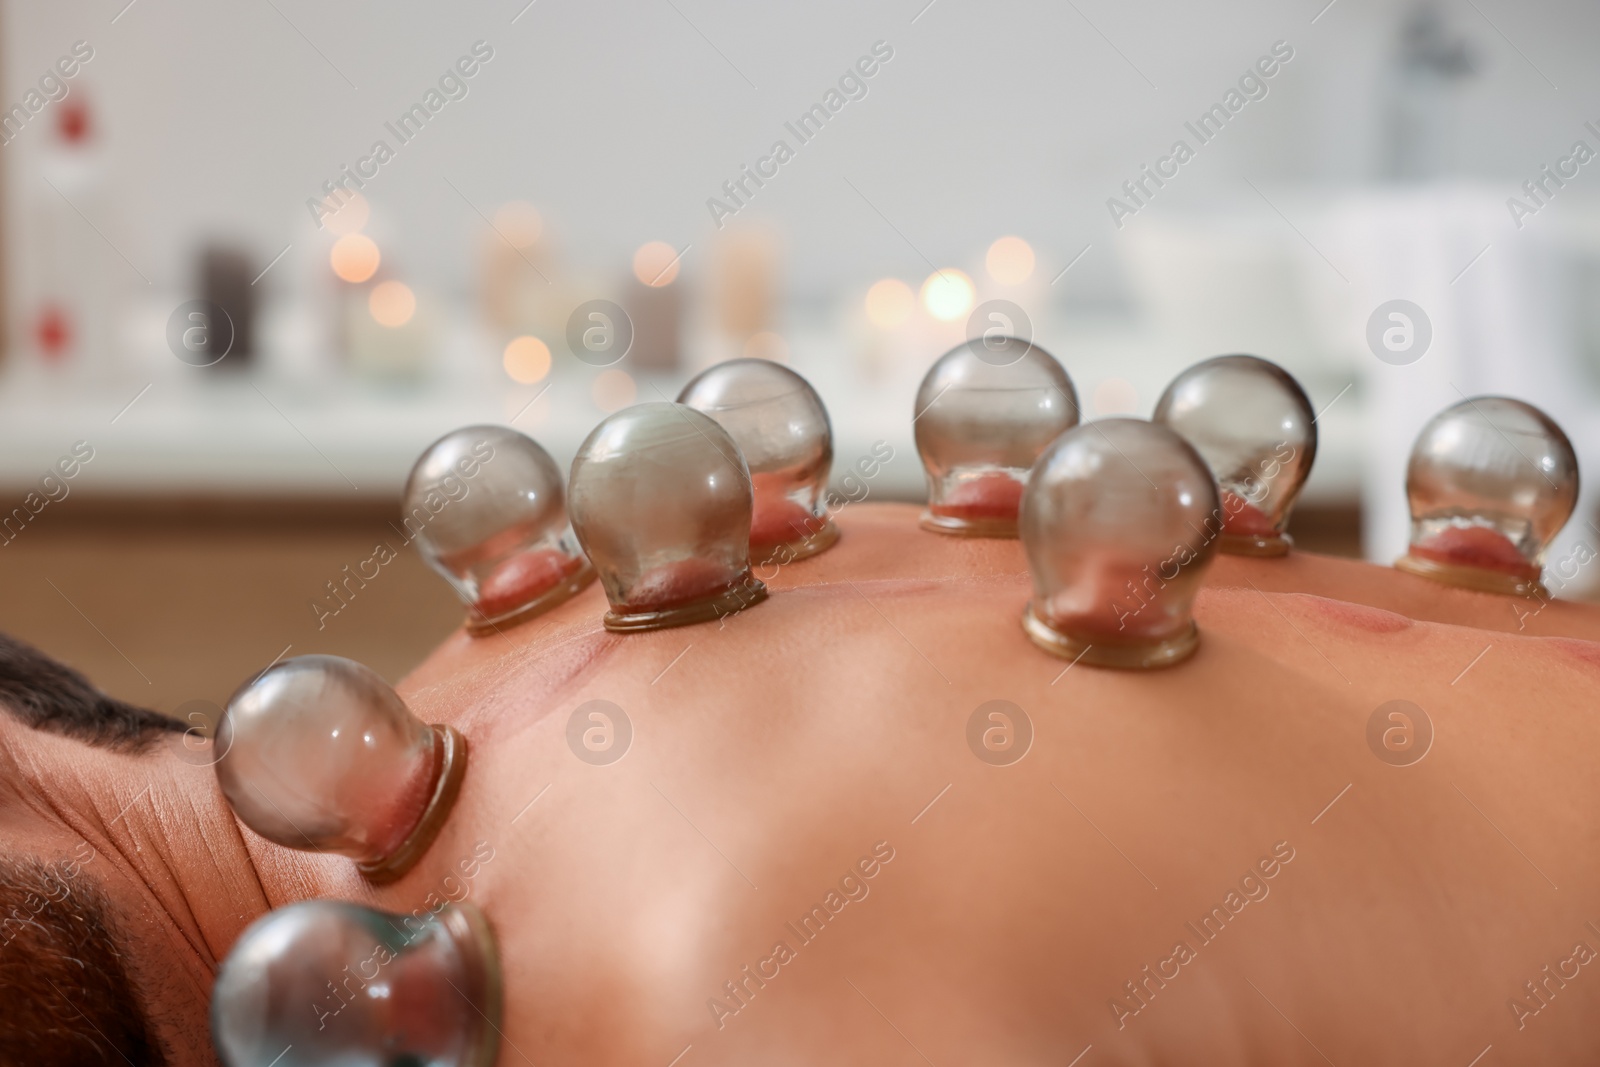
(1410, 595)
(774, 750)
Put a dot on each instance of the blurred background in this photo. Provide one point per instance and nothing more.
(258, 254)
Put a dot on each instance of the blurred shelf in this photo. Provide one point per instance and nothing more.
(222, 433)
(250, 440)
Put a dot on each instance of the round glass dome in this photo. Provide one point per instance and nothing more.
(324, 983)
(1120, 519)
(781, 427)
(485, 506)
(660, 500)
(984, 412)
(1491, 482)
(320, 754)
(1252, 424)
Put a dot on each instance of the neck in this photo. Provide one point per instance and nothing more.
(145, 830)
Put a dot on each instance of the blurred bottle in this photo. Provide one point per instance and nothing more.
(654, 300)
(520, 295)
(390, 338)
(73, 282)
(225, 280)
(1422, 126)
(744, 264)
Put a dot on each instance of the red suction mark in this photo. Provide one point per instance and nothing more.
(988, 496)
(672, 585)
(776, 520)
(522, 578)
(1244, 518)
(1476, 546)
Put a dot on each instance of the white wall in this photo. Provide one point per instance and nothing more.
(619, 120)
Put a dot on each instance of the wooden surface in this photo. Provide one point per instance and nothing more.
(168, 604)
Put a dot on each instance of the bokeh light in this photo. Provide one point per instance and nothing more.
(351, 217)
(947, 294)
(656, 263)
(526, 359)
(889, 303)
(1115, 396)
(1010, 261)
(613, 390)
(519, 222)
(355, 257)
(392, 303)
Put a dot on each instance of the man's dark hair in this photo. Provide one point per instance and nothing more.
(51, 696)
(65, 997)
